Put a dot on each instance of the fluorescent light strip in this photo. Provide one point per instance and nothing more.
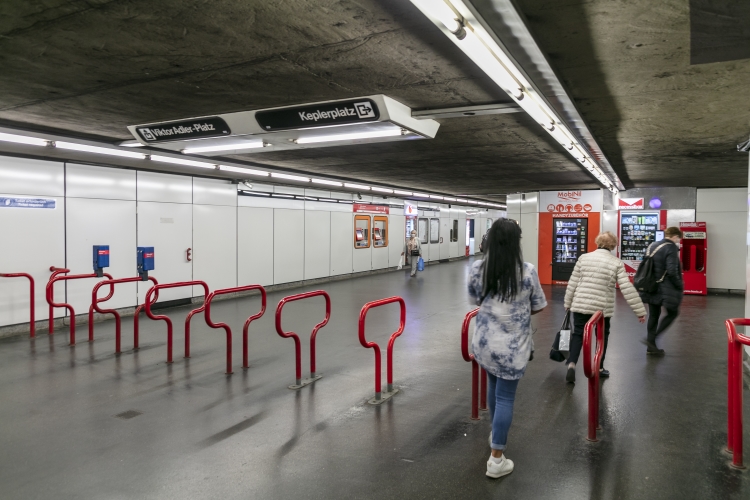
(23, 139)
(241, 170)
(350, 137)
(405, 193)
(97, 150)
(461, 200)
(290, 177)
(356, 186)
(255, 193)
(381, 190)
(445, 198)
(180, 161)
(326, 182)
(436, 197)
(308, 198)
(421, 195)
(282, 196)
(224, 147)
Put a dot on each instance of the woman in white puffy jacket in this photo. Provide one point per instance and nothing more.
(591, 288)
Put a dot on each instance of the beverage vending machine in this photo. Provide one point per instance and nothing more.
(570, 243)
(637, 232)
(693, 257)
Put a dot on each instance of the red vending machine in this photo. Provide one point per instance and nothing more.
(693, 257)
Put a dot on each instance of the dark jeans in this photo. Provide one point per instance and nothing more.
(501, 394)
(654, 312)
(576, 336)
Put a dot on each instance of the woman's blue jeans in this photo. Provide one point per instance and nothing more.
(501, 394)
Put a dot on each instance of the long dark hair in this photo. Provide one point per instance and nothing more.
(503, 262)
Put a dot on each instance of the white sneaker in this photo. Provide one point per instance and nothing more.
(496, 470)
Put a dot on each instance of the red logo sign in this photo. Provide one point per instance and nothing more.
(103, 252)
(362, 208)
(630, 204)
(587, 208)
(148, 255)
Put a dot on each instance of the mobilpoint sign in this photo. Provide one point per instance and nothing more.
(570, 201)
(319, 115)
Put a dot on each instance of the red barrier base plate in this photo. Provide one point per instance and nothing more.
(306, 381)
(384, 396)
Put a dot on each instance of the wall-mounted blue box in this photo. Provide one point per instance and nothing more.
(101, 259)
(145, 261)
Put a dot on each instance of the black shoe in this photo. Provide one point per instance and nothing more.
(603, 373)
(570, 377)
(651, 348)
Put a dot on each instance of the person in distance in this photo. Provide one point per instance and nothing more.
(413, 249)
(591, 288)
(666, 259)
(508, 292)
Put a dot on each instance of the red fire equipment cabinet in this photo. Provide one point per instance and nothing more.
(693, 256)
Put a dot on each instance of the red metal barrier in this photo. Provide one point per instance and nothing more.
(299, 383)
(57, 275)
(474, 365)
(32, 316)
(390, 391)
(55, 271)
(734, 388)
(226, 328)
(148, 303)
(136, 322)
(95, 301)
(592, 373)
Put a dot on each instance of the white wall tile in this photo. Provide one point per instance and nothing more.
(214, 192)
(152, 186)
(88, 181)
(288, 245)
(20, 176)
(214, 246)
(342, 242)
(317, 244)
(255, 246)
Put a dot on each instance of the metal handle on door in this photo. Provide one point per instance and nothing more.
(188, 254)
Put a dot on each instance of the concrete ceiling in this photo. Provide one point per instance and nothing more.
(91, 67)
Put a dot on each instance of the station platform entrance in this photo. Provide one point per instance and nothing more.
(83, 422)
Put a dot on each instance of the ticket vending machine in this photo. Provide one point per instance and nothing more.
(361, 231)
(569, 244)
(693, 257)
(380, 231)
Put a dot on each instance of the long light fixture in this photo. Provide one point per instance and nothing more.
(241, 170)
(327, 182)
(97, 150)
(290, 177)
(381, 190)
(481, 48)
(23, 139)
(181, 161)
(374, 134)
(356, 186)
(225, 147)
(404, 193)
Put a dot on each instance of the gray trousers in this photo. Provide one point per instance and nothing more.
(414, 259)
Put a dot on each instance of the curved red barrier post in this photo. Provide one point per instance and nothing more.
(379, 395)
(148, 303)
(55, 272)
(95, 301)
(734, 388)
(592, 373)
(474, 365)
(226, 328)
(57, 276)
(299, 383)
(32, 315)
(136, 322)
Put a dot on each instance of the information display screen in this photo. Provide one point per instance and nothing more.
(637, 232)
(570, 240)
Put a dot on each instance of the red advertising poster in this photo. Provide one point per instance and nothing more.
(360, 208)
(693, 257)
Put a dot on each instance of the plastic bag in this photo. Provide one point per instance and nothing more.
(400, 262)
(420, 264)
(564, 344)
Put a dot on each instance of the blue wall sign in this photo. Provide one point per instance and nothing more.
(26, 202)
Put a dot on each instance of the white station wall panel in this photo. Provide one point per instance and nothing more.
(89, 181)
(168, 227)
(214, 246)
(396, 239)
(255, 246)
(100, 222)
(288, 245)
(164, 188)
(19, 176)
(342, 242)
(317, 244)
(214, 192)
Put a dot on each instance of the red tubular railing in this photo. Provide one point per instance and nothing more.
(376, 347)
(476, 370)
(148, 303)
(297, 346)
(95, 301)
(50, 291)
(32, 316)
(734, 388)
(55, 271)
(592, 373)
(136, 322)
(226, 328)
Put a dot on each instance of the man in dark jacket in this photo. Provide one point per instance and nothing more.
(669, 294)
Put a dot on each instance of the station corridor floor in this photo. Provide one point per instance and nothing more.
(83, 423)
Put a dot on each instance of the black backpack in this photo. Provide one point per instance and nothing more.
(645, 281)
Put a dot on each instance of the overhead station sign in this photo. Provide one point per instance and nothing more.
(198, 128)
(319, 115)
